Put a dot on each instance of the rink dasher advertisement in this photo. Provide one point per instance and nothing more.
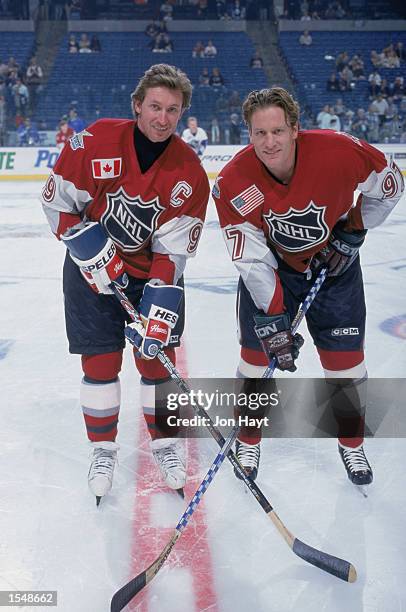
(35, 163)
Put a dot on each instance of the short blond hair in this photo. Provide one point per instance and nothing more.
(275, 96)
(164, 75)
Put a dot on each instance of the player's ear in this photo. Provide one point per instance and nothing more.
(136, 106)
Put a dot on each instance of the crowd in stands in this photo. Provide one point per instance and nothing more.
(84, 44)
(19, 90)
(313, 10)
(383, 117)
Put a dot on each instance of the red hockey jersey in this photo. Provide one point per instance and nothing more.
(155, 218)
(256, 211)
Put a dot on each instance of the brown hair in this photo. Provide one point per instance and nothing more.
(163, 75)
(276, 96)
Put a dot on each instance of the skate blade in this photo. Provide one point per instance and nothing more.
(361, 489)
(98, 500)
(180, 492)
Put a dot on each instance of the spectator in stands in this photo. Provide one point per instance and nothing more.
(379, 106)
(13, 66)
(202, 8)
(204, 78)
(397, 88)
(84, 44)
(335, 123)
(210, 50)
(166, 11)
(305, 17)
(346, 121)
(235, 129)
(334, 83)
(27, 134)
(34, 76)
(216, 78)
(222, 105)
(256, 61)
(75, 122)
(152, 30)
(402, 104)
(64, 133)
(375, 82)
(21, 97)
(375, 59)
(400, 51)
(221, 9)
(3, 69)
(357, 66)
(73, 46)
(237, 11)
(384, 88)
(95, 45)
(3, 87)
(3, 121)
(360, 127)
(342, 60)
(389, 58)
(198, 49)
(195, 136)
(391, 111)
(323, 118)
(306, 39)
(347, 77)
(339, 108)
(162, 44)
(234, 102)
(215, 134)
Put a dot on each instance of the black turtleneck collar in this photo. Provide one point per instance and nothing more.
(146, 150)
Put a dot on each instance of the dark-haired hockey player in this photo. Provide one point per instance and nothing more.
(285, 204)
(128, 199)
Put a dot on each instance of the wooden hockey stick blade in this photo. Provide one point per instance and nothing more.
(124, 595)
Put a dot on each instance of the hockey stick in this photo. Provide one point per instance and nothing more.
(303, 308)
(333, 565)
(124, 595)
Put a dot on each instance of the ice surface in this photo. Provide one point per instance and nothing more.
(54, 538)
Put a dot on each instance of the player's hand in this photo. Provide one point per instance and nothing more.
(96, 255)
(277, 340)
(340, 251)
(158, 309)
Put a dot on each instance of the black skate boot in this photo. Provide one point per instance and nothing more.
(355, 462)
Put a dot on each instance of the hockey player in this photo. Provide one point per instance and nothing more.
(195, 136)
(285, 204)
(128, 199)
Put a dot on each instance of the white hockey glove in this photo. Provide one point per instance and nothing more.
(96, 255)
(158, 309)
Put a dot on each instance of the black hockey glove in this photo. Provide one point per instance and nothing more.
(340, 251)
(277, 341)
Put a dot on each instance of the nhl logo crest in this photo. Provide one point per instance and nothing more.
(130, 221)
(298, 230)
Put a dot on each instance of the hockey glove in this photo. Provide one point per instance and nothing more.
(96, 255)
(340, 251)
(158, 309)
(277, 341)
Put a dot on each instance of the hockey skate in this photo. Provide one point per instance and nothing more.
(169, 455)
(356, 464)
(100, 477)
(248, 455)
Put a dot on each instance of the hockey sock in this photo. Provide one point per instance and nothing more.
(155, 410)
(100, 403)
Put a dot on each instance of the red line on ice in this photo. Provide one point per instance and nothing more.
(192, 550)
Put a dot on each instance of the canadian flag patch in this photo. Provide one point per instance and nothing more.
(106, 168)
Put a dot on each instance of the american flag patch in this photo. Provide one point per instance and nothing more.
(106, 168)
(249, 199)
